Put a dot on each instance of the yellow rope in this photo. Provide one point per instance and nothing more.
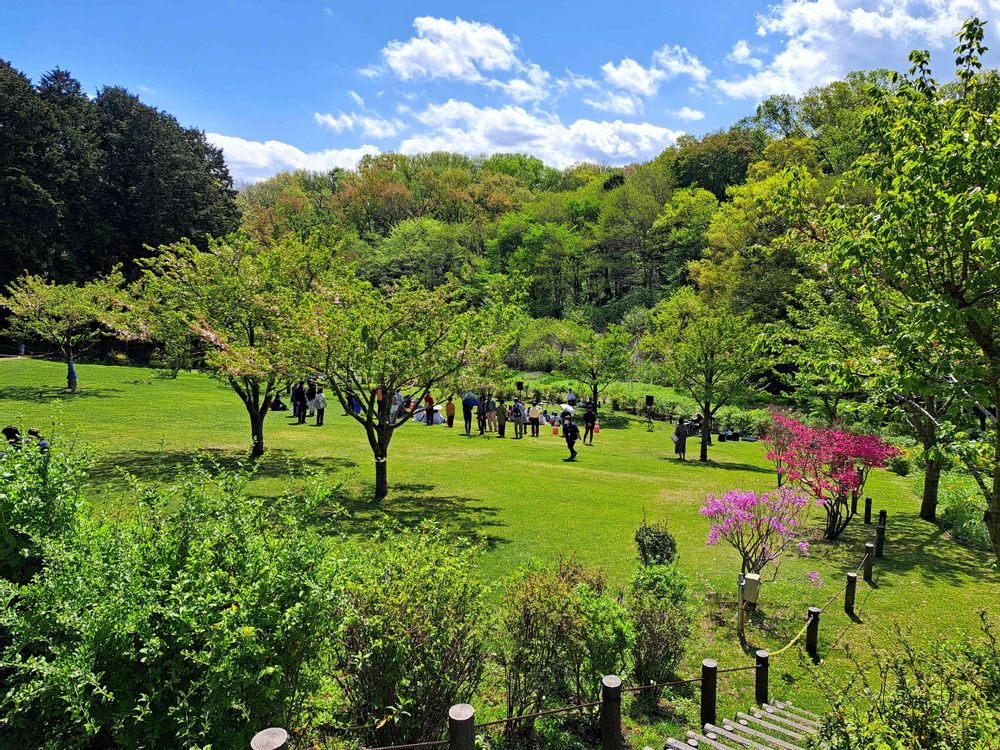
(794, 640)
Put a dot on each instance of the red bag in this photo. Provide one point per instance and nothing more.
(597, 426)
(555, 430)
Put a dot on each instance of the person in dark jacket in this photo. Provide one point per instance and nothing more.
(469, 402)
(680, 438)
(571, 433)
(300, 401)
(589, 420)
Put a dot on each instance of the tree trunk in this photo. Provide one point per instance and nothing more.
(932, 479)
(257, 433)
(992, 515)
(593, 395)
(706, 434)
(381, 478)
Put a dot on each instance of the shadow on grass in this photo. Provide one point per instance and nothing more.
(713, 464)
(168, 465)
(31, 393)
(409, 505)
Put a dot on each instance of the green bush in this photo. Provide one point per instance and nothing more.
(899, 464)
(40, 494)
(661, 618)
(191, 619)
(412, 637)
(961, 508)
(749, 422)
(656, 544)
(938, 697)
(560, 633)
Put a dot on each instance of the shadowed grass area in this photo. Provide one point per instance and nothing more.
(525, 503)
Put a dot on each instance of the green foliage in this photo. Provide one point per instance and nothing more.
(560, 634)
(961, 508)
(412, 634)
(191, 619)
(40, 496)
(661, 616)
(424, 249)
(939, 697)
(656, 544)
(749, 422)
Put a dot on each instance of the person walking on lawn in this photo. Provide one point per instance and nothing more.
(429, 408)
(491, 414)
(572, 433)
(469, 402)
(449, 411)
(589, 420)
(319, 404)
(515, 415)
(502, 419)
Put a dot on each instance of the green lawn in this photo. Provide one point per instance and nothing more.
(529, 504)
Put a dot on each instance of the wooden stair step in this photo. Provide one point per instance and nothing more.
(678, 745)
(777, 710)
(742, 727)
(768, 725)
(791, 707)
(714, 742)
(777, 718)
(733, 737)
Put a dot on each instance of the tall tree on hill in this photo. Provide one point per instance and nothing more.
(713, 354)
(596, 360)
(929, 238)
(369, 342)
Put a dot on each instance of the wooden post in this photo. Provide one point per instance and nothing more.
(611, 713)
(270, 739)
(882, 515)
(868, 510)
(869, 561)
(879, 540)
(761, 676)
(854, 504)
(709, 683)
(461, 727)
(850, 592)
(812, 632)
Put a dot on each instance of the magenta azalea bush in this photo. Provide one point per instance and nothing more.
(760, 526)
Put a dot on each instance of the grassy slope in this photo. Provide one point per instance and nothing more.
(531, 505)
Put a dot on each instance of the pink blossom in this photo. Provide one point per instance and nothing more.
(815, 579)
(803, 548)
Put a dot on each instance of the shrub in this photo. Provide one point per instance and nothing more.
(940, 697)
(749, 422)
(655, 543)
(961, 508)
(559, 634)
(193, 619)
(40, 493)
(412, 634)
(660, 615)
(899, 464)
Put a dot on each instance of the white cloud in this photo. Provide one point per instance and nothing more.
(370, 71)
(255, 160)
(741, 54)
(689, 114)
(469, 129)
(146, 89)
(622, 104)
(819, 41)
(631, 76)
(358, 99)
(338, 123)
(676, 61)
(376, 127)
(457, 50)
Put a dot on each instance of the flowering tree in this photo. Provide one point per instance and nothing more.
(759, 526)
(831, 466)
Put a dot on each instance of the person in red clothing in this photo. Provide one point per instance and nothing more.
(429, 409)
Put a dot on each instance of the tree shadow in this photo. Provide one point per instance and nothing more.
(169, 465)
(32, 394)
(613, 422)
(409, 505)
(713, 464)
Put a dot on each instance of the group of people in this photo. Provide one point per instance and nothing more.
(308, 400)
(14, 439)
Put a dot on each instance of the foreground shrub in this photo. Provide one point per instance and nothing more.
(412, 636)
(961, 508)
(39, 497)
(560, 633)
(944, 697)
(190, 620)
(656, 544)
(661, 618)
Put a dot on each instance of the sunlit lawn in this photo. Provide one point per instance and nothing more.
(529, 505)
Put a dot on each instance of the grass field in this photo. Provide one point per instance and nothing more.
(530, 505)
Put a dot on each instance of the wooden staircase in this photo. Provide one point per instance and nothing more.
(773, 726)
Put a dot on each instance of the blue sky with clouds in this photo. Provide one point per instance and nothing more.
(294, 84)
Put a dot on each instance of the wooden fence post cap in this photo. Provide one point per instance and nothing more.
(763, 653)
(611, 681)
(461, 712)
(269, 739)
(710, 663)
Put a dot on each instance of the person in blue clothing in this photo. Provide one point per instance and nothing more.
(469, 402)
(71, 375)
(517, 417)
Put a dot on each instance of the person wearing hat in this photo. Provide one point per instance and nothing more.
(571, 433)
(589, 421)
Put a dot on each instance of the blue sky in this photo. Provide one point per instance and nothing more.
(295, 84)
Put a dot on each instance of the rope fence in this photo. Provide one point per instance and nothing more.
(462, 726)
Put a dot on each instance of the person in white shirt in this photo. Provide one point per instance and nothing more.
(319, 404)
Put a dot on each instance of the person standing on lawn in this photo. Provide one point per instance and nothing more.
(300, 401)
(571, 433)
(491, 414)
(469, 402)
(515, 416)
(534, 417)
(589, 420)
(449, 411)
(680, 438)
(501, 415)
(311, 397)
(429, 408)
(319, 404)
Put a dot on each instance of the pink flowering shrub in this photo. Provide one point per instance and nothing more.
(759, 526)
(829, 465)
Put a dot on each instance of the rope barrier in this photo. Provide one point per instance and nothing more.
(660, 686)
(537, 715)
(736, 669)
(413, 746)
(794, 640)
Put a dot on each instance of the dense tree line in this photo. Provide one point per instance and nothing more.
(86, 183)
